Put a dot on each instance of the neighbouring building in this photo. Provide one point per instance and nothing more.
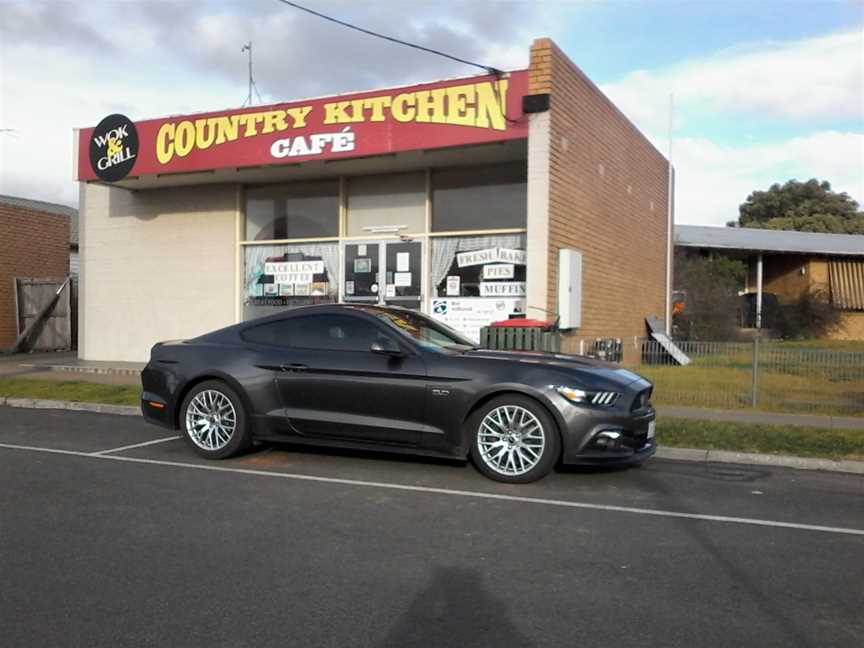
(35, 243)
(789, 264)
(461, 198)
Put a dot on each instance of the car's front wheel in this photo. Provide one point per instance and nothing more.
(214, 421)
(515, 440)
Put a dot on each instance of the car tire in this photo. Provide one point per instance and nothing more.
(514, 439)
(214, 421)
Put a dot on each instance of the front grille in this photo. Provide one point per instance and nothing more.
(642, 400)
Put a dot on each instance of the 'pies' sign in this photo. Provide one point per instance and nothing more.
(473, 110)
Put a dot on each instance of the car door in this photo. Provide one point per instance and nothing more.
(333, 386)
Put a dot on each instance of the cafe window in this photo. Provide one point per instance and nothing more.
(394, 203)
(479, 266)
(284, 276)
(477, 198)
(296, 210)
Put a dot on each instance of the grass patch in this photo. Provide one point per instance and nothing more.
(70, 390)
(766, 439)
(856, 346)
(814, 392)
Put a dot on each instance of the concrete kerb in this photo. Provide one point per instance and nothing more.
(98, 408)
(780, 461)
(675, 454)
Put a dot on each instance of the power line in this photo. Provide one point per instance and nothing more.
(488, 68)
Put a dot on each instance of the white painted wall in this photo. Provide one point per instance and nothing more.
(537, 269)
(155, 265)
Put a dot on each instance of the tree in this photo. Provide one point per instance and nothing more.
(709, 288)
(809, 206)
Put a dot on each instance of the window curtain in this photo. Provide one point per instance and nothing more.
(256, 256)
(445, 249)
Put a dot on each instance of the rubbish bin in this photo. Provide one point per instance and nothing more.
(521, 334)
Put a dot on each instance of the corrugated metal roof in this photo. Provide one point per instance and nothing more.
(765, 240)
(847, 284)
(51, 208)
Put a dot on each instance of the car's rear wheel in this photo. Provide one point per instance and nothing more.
(514, 439)
(214, 421)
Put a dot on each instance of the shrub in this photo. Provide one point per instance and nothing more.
(810, 316)
(709, 286)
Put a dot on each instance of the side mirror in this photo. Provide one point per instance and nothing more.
(386, 346)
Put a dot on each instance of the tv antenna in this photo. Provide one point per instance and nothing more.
(248, 48)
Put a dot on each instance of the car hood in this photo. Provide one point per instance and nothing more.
(573, 364)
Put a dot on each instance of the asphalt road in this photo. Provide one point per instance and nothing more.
(150, 546)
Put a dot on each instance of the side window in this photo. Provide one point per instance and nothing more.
(331, 332)
(271, 334)
(334, 332)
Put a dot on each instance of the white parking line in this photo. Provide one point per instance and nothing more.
(447, 491)
(135, 445)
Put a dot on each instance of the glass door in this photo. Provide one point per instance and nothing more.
(384, 273)
(362, 281)
(403, 274)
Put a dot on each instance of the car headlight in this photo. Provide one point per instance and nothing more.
(581, 396)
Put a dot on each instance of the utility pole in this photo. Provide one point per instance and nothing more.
(670, 222)
(248, 48)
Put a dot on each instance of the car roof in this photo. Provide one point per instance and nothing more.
(359, 309)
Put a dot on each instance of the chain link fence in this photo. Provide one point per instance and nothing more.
(763, 374)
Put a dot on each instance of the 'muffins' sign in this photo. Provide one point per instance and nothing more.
(451, 113)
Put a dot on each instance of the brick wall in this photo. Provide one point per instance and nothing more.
(607, 198)
(32, 244)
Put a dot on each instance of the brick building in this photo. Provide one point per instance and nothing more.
(455, 197)
(35, 244)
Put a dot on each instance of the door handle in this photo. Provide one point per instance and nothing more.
(294, 367)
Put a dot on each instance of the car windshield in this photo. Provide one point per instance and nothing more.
(424, 330)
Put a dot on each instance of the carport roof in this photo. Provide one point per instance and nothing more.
(765, 240)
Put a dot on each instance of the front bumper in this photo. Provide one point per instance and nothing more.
(606, 437)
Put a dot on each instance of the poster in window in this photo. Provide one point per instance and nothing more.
(502, 288)
(305, 267)
(302, 290)
(403, 260)
(469, 315)
(349, 287)
(507, 255)
(402, 279)
(454, 283)
(499, 271)
(286, 290)
(390, 291)
(362, 265)
(477, 257)
(319, 288)
(271, 289)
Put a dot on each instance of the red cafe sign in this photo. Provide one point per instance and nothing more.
(472, 110)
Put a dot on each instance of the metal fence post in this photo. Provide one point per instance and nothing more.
(755, 388)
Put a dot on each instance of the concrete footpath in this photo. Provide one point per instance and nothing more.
(679, 454)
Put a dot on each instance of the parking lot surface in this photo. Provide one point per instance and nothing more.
(114, 533)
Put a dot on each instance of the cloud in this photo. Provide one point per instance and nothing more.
(66, 64)
(297, 55)
(803, 80)
(712, 180)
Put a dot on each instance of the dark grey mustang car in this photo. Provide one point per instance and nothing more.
(395, 380)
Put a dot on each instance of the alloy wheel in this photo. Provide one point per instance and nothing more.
(211, 420)
(511, 440)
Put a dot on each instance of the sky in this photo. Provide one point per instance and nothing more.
(763, 90)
